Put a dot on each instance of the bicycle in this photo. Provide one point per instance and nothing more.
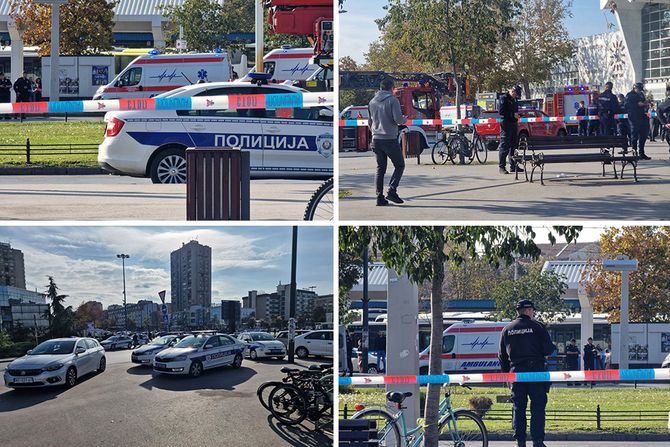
(293, 375)
(321, 205)
(461, 427)
(456, 144)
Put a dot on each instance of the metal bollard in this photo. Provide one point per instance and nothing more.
(217, 184)
(27, 151)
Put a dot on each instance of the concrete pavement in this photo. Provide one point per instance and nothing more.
(478, 192)
(107, 197)
(128, 406)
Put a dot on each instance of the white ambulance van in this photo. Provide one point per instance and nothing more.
(154, 73)
(468, 346)
(287, 64)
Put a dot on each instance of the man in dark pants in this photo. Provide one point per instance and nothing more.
(607, 107)
(636, 107)
(594, 124)
(623, 129)
(571, 357)
(5, 92)
(583, 124)
(589, 357)
(22, 88)
(385, 117)
(509, 130)
(350, 354)
(524, 344)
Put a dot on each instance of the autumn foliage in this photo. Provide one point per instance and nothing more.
(85, 25)
(649, 288)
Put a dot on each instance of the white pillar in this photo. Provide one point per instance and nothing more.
(159, 37)
(54, 94)
(623, 339)
(402, 339)
(16, 61)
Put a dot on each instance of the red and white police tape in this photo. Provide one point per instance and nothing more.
(257, 101)
(608, 375)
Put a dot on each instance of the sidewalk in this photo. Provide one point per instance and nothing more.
(479, 192)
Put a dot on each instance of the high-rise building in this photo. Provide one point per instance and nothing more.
(191, 272)
(12, 270)
(268, 306)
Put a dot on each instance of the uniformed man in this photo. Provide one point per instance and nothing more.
(524, 346)
(571, 357)
(581, 111)
(594, 124)
(623, 129)
(607, 107)
(5, 92)
(22, 88)
(509, 130)
(636, 107)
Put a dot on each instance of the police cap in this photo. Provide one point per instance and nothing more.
(525, 304)
(639, 86)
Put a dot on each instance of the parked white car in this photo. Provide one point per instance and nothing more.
(317, 343)
(117, 342)
(262, 344)
(196, 353)
(60, 361)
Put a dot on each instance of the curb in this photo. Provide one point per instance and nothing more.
(588, 436)
(51, 171)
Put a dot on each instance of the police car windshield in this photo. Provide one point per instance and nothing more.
(261, 336)
(162, 341)
(54, 347)
(191, 342)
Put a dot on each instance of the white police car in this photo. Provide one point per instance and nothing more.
(195, 353)
(262, 344)
(286, 143)
(145, 354)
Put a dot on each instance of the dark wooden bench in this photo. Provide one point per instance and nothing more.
(358, 433)
(607, 150)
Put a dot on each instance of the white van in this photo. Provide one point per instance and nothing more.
(154, 73)
(468, 346)
(287, 64)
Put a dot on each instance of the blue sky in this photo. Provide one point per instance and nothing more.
(357, 27)
(84, 265)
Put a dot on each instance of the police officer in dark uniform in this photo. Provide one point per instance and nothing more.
(607, 107)
(509, 129)
(636, 107)
(623, 129)
(5, 92)
(524, 344)
(22, 88)
(571, 357)
(594, 124)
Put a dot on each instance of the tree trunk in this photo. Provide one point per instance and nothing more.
(435, 365)
(526, 88)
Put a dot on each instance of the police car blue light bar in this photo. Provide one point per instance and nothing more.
(607, 375)
(256, 101)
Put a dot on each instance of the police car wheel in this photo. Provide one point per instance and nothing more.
(103, 365)
(372, 369)
(301, 352)
(237, 362)
(169, 166)
(253, 355)
(195, 370)
(71, 377)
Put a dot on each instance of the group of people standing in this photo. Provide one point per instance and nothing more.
(26, 89)
(594, 356)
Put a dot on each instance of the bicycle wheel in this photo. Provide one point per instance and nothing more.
(454, 149)
(439, 153)
(469, 150)
(481, 151)
(321, 204)
(264, 391)
(288, 404)
(387, 429)
(465, 430)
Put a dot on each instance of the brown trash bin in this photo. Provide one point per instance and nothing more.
(217, 183)
(411, 145)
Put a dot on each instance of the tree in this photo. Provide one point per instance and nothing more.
(89, 312)
(422, 253)
(537, 45)
(649, 287)
(61, 318)
(207, 24)
(85, 25)
(319, 314)
(544, 289)
(458, 36)
(350, 270)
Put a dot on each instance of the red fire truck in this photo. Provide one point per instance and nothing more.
(566, 102)
(419, 95)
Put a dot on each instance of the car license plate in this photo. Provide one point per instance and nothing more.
(23, 380)
(161, 365)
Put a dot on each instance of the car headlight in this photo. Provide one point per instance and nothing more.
(179, 358)
(54, 367)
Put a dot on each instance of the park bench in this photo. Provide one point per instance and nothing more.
(607, 150)
(358, 433)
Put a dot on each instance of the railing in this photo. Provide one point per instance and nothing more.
(28, 150)
(597, 416)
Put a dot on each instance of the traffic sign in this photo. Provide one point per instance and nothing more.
(161, 295)
(182, 44)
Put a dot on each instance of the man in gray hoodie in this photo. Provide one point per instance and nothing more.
(385, 117)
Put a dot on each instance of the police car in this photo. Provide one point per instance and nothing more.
(286, 143)
(145, 354)
(262, 344)
(196, 353)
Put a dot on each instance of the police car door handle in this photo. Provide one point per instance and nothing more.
(198, 127)
(273, 129)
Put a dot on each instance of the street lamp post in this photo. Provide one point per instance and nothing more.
(123, 258)
(55, 46)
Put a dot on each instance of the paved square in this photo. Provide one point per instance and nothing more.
(478, 192)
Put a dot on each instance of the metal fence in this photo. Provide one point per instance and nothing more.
(597, 416)
(29, 150)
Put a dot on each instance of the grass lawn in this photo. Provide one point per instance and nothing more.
(626, 399)
(12, 132)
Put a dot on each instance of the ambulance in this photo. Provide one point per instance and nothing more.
(152, 74)
(468, 346)
(287, 64)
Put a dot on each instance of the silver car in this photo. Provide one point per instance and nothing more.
(60, 361)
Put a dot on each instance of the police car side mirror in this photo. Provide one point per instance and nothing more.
(208, 346)
(325, 113)
(30, 351)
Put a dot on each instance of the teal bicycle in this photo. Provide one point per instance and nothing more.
(458, 427)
